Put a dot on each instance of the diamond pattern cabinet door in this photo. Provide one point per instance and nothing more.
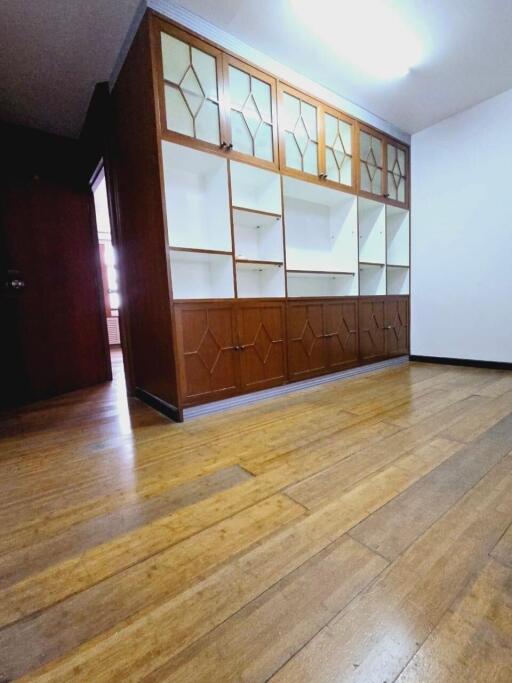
(261, 334)
(372, 340)
(397, 326)
(341, 330)
(397, 174)
(252, 113)
(299, 132)
(207, 355)
(371, 162)
(306, 339)
(337, 144)
(190, 93)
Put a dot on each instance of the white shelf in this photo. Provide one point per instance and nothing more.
(198, 275)
(255, 188)
(321, 284)
(372, 279)
(397, 280)
(321, 228)
(397, 236)
(258, 236)
(197, 198)
(260, 279)
(372, 231)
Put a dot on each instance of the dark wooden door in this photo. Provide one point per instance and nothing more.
(397, 326)
(261, 335)
(306, 340)
(341, 334)
(54, 336)
(372, 340)
(208, 351)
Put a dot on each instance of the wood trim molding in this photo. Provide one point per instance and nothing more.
(158, 404)
(468, 362)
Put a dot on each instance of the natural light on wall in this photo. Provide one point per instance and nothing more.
(368, 34)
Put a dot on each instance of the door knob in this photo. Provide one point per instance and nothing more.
(14, 283)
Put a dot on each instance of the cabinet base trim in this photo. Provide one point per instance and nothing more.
(246, 399)
(491, 364)
(162, 406)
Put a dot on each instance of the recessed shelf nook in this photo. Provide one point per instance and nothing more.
(372, 279)
(397, 280)
(201, 275)
(397, 236)
(372, 231)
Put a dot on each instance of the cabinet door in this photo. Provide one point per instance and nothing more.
(341, 334)
(371, 163)
(250, 98)
(372, 340)
(336, 149)
(190, 74)
(397, 174)
(207, 351)
(298, 127)
(397, 326)
(306, 340)
(261, 335)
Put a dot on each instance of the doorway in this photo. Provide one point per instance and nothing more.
(109, 274)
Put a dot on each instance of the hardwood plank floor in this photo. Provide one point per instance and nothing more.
(356, 531)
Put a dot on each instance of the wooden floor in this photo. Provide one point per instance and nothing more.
(358, 531)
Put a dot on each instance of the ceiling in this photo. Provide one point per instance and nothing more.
(54, 51)
(52, 54)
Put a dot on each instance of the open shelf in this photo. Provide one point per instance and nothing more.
(372, 231)
(372, 279)
(255, 188)
(310, 283)
(321, 228)
(201, 275)
(397, 236)
(196, 198)
(260, 279)
(397, 280)
(258, 235)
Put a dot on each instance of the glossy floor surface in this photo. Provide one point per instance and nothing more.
(358, 531)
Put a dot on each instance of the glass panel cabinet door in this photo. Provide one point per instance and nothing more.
(371, 160)
(338, 145)
(396, 176)
(298, 118)
(190, 72)
(252, 117)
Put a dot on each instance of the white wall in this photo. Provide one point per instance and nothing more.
(461, 243)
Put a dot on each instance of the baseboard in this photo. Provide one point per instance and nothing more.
(163, 407)
(491, 364)
(246, 399)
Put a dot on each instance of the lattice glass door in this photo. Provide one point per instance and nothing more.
(338, 149)
(371, 155)
(396, 173)
(191, 89)
(299, 120)
(251, 111)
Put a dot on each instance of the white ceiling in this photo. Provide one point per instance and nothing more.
(54, 51)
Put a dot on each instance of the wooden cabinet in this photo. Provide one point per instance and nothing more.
(306, 339)
(372, 337)
(371, 163)
(299, 117)
(322, 336)
(397, 326)
(190, 87)
(341, 333)
(262, 341)
(397, 174)
(226, 348)
(250, 100)
(337, 145)
(207, 351)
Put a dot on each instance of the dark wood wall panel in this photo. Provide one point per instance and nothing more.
(140, 225)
